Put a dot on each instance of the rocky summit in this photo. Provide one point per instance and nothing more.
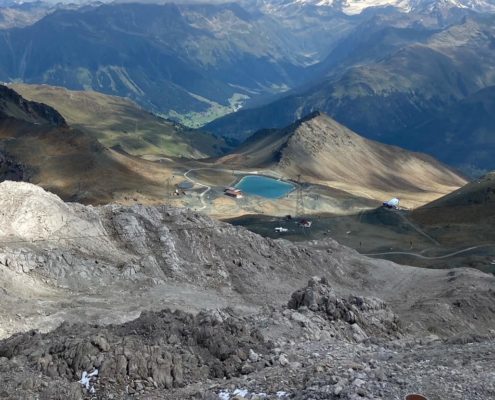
(155, 302)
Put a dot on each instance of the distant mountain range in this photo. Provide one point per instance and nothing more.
(394, 71)
(428, 76)
(18, 14)
(352, 7)
(191, 62)
(462, 134)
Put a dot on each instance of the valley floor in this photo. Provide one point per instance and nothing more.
(209, 181)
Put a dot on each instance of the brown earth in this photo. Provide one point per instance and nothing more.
(324, 152)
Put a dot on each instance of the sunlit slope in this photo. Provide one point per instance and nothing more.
(324, 151)
(43, 149)
(117, 121)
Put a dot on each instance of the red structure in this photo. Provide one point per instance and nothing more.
(233, 192)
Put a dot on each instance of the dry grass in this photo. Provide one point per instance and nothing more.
(78, 168)
(116, 121)
(327, 153)
(474, 203)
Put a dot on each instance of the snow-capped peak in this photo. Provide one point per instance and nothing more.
(352, 7)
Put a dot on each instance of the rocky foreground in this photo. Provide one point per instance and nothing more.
(159, 303)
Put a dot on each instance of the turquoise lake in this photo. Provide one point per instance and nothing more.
(264, 186)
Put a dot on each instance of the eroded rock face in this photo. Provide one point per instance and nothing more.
(80, 246)
(13, 105)
(11, 170)
(166, 349)
(366, 315)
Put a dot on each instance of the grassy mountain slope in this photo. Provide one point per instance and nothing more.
(115, 121)
(323, 151)
(463, 218)
(473, 204)
(13, 106)
(73, 164)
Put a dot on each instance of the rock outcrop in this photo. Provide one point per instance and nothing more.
(12, 105)
(50, 250)
(218, 355)
(11, 170)
(161, 350)
(364, 315)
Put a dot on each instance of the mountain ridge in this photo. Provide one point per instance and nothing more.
(385, 98)
(321, 150)
(353, 7)
(473, 204)
(13, 105)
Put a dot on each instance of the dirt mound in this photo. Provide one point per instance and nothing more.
(158, 350)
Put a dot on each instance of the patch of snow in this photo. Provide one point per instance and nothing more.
(353, 7)
(224, 396)
(86, 380)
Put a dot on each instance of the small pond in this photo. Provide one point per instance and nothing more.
(264, 186)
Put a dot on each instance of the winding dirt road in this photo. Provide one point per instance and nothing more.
(430, 257)
(208, 188)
